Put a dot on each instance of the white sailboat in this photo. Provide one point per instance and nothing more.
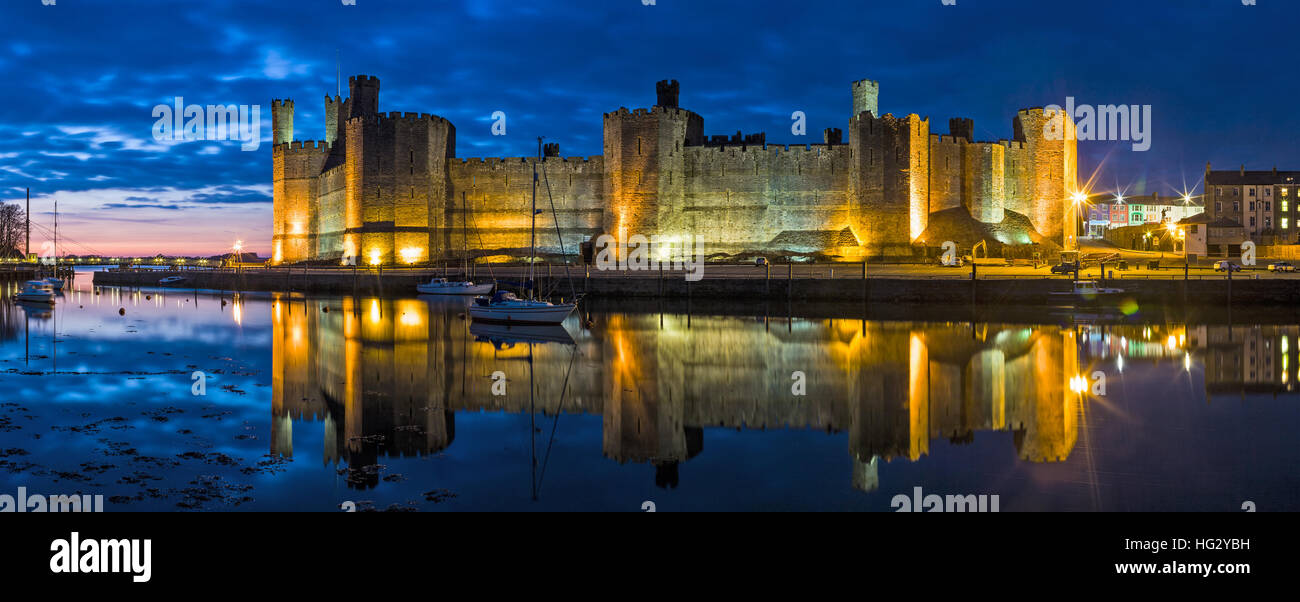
(506, 306)
(54, 282)
(442, 286)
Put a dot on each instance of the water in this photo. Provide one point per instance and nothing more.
(312, 402)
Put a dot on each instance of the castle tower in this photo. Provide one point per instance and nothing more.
(865, 96)
(985, 182)
(667, 91)
(889, 182)
(1051, 151)
(364, 91)
(551, 149)
(332, 108)
(645, 168)
(281, 121)
(962, 127)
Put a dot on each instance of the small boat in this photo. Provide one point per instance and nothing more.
(1086, 290)
(54, 283)
(442, 286)
(36, 291)
(171, 280)
(504, 306)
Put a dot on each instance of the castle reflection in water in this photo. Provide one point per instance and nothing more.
(385, 377)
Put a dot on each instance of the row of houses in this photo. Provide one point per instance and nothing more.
(1106, 213)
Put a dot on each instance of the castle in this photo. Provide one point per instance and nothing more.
(388, 188)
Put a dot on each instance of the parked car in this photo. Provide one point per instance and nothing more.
(1281, 266)
(761, 261)
(955, 262)
(1226, 266)
(1067, 267)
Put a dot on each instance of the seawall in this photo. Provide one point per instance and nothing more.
(951, 291)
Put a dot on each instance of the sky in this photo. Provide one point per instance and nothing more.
(83, 79)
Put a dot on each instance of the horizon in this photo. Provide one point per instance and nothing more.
(79, 125)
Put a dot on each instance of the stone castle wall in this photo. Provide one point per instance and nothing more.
(388, 188)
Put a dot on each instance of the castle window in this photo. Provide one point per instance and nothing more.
(871, 156)
(638, 146)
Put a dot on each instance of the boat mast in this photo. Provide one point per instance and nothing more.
(56, 238)
(532, 243)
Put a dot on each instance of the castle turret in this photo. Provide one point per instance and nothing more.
(551, 149)
(364, 90)
(667, 91)
(962, 127)
(865, 96)
(832, 136)
(281, 121)
(332, 108)
(1050, 148)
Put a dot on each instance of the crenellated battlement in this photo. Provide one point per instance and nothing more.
(285, 103)
(297, 146)
(363, 79)
(507, 162)
(396, 116)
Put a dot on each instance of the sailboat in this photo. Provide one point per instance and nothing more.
(505, 306)
(442, 286)
(54, 282)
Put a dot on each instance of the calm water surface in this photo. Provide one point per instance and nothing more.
(394, 404)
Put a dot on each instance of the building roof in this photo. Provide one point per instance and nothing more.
(1237, 177)
(1205, 218)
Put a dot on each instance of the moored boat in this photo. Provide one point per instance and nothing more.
(1086, 290)
(507, 308)
(36, 291)
(442, 286)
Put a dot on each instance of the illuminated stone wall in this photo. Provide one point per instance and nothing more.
(387, 188)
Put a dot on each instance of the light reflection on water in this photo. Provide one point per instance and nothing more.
(313, 401)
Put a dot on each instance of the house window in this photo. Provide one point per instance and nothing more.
(1252, 205)
(1268, 205)
(1285, 204)
(1195, 227)
(1236, 206)
(1286, 223)
(1251, 191)
(1268, 192)
(1268, 222)
(1252, 222)
(1236, 192)
(1218, 206)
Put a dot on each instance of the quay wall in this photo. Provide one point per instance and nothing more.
(954, 292)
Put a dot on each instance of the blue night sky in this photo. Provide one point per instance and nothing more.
(82, 78)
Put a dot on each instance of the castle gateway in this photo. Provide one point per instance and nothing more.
(388, 188)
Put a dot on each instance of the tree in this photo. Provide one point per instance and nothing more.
(13, 230)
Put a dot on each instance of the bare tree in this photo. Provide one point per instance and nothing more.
(12, 230)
